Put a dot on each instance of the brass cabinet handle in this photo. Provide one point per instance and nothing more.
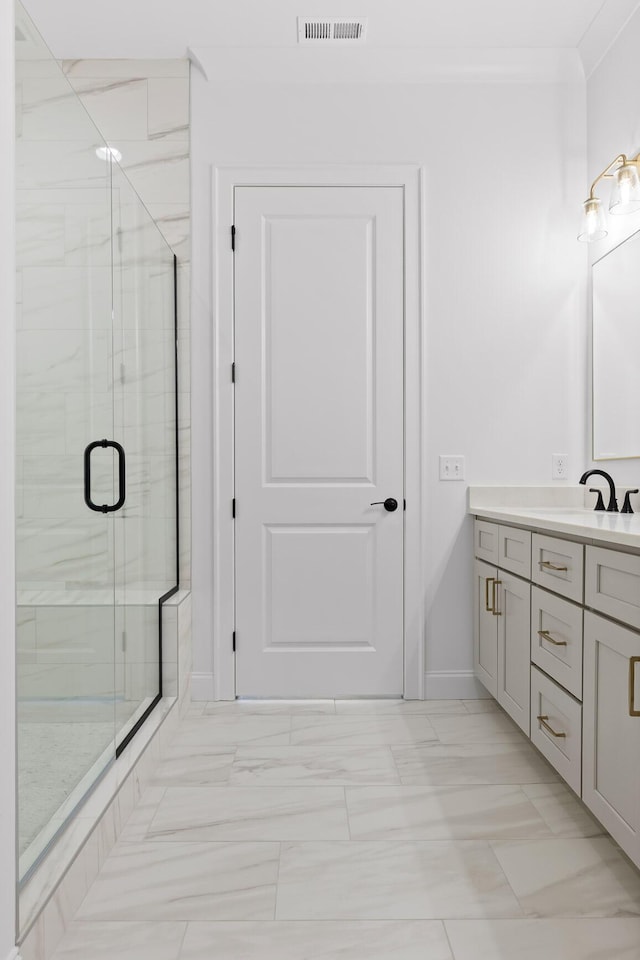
(487, 581)
(632, 686)
(543, 723)
(547, 636)
(494, 600)
(552, 566)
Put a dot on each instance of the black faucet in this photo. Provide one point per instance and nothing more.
(613, 503)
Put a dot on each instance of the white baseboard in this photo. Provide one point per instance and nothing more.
(453, 685)
(202, 687)
(438, 685)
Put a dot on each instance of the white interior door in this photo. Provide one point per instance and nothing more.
(319, 401)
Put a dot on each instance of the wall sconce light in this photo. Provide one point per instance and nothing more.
(625, 197)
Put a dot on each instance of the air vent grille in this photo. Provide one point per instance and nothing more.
(331, 31)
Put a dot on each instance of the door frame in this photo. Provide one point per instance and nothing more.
(412, 180)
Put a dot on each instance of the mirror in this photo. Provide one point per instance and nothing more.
(616, 352)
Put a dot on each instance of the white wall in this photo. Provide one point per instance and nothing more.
(613, 126)
(7, 445)
(506, 327)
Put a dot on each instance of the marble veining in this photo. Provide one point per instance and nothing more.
(362, 841)
(244, 813)
(184, 881)
(324, 940)
(403, 880)
(326, 766)
(469, 763)
(442, 813)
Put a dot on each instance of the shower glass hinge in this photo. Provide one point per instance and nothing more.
(124, 641)
(233, 373)
(233, 237)
(233, 508)
(234, 641)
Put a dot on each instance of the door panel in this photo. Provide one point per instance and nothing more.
(611, 735)
(315, 434)
(514, 648)
(486, 627)
(319, 297)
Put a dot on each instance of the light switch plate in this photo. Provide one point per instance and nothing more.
(451, 467)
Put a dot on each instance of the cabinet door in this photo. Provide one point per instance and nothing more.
(611, 735)
(486, 626)
(514, 657)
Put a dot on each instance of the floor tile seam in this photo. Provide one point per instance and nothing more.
(277, 883)
(506, 878)
(562, 834)
(429, 918)
(155, 812)
(447, 938)
(413, 781)
(346, 808)
(182, 941)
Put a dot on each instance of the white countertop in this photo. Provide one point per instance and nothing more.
(566, 510)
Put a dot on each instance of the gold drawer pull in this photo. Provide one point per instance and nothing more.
(494, 601)
(632, 686)
(552, 566)
(487, 581)
(543, 722)
(547, 636)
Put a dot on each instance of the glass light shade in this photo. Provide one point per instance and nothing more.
(625, 193)
(592, 226)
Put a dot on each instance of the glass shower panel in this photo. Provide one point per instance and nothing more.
(65, 400)
(145, 416)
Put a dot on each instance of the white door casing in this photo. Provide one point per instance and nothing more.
(213, 421)
(319, 338)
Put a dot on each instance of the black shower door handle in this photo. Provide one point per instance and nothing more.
(105, 507)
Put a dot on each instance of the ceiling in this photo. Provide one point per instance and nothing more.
(77, 29)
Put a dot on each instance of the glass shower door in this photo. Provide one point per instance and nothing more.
(145, 418)
(65, 401)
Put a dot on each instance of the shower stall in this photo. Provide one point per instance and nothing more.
(96, 472)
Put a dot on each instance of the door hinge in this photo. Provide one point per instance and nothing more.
(233, 508)
(124, 641)
(405, 504)
(233, 373)
(234, 641)
(233, 237)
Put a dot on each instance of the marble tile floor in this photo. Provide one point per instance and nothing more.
(358, 830)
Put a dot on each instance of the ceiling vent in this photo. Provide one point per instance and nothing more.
(331, 31)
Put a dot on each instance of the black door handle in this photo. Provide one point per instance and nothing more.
(105, 507)
(389, 504)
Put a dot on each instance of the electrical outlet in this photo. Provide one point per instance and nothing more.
(559, 466)
(451, 468)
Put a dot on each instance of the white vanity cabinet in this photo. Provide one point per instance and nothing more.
(559, 649)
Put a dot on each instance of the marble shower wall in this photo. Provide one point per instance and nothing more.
(141, 107)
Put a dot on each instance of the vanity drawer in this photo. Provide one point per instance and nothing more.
(485, 541)
(558, 565)
(556, 639)
(556, 728)
(612, 584)
(514, 551)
